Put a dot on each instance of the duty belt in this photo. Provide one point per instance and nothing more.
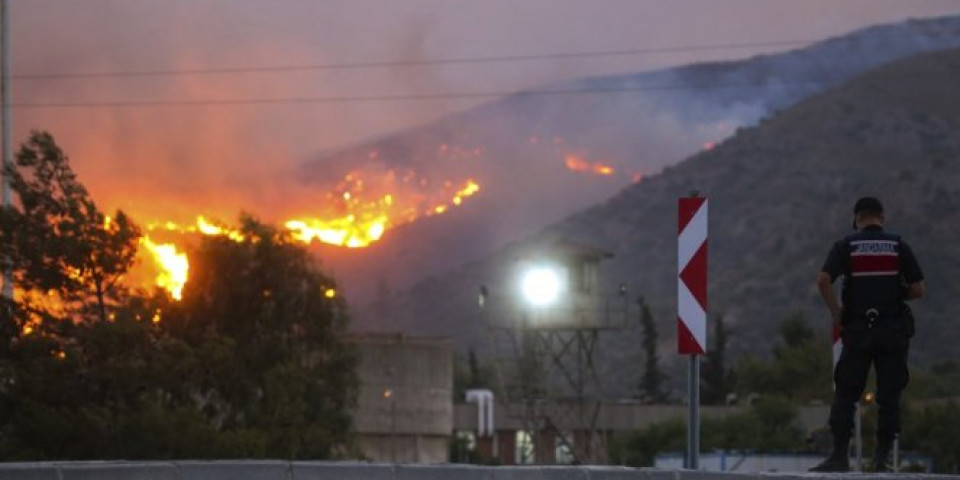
(872, 317)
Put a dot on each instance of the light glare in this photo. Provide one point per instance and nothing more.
(541, 286)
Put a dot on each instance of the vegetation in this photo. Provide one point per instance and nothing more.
(800, 368)
(797, 373)
(652, 388)
(252, 362)
(932, 430)
(770, 425)
(716, 378)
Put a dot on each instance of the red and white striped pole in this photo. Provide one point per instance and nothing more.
(692, 307)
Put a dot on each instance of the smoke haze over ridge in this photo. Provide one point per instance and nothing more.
(177, 161)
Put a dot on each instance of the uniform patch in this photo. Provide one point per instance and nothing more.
(874, 258)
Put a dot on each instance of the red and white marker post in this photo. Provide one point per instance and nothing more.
(692, 307)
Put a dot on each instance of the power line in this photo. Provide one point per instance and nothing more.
(403, 63)
(371, 98)
(946, 70)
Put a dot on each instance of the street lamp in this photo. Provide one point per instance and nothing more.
(541, 285)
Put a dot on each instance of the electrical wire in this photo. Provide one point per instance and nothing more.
(404, 63)
(946, 70)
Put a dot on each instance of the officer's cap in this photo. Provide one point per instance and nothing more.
(868, 205)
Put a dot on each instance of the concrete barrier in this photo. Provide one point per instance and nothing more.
(284, 470)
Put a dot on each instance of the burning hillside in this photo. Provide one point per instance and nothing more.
(357, 212)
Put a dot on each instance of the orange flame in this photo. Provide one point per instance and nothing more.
(578, 164)
(173, 266)
(368, 221)
(362, 223)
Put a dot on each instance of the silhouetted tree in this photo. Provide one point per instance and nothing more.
(253, 362)
(653, 379)
(282, 370)
(800, 368)
(66, 256)
(717, 380)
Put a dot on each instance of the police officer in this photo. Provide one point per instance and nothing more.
(880, 273)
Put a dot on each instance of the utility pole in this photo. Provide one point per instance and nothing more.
(5, 118)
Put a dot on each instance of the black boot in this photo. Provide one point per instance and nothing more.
(838, 461)
(881, 458)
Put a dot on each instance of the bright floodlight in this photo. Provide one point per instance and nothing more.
(541, 286)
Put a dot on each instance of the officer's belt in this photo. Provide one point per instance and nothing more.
(871, 317)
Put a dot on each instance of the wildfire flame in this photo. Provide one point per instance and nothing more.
(577, 163)
(357, 219)
(367, 221)
(173, 266)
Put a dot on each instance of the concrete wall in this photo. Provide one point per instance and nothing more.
(282, 470)
(405, 411)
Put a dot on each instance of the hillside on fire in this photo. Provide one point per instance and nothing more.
(250, 359)
(539, 155)
(780, 193)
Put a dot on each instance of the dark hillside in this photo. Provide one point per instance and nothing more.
(780, 193)
(517, 147)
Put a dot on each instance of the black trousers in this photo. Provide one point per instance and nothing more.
(884, 346)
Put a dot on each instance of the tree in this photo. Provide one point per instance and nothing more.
(717, 380)
(652, 382)
(58, 243)
(933, 430)
(281, 370)
(800, 368)
(253, 363)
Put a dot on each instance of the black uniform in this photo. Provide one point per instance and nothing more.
(876, 324)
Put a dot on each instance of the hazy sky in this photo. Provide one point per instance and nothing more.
(134, 154)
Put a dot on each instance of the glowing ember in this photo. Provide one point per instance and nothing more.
(578, 164)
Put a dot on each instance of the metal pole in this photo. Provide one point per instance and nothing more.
(896, 454)
(5, 118)
(393, 430)
(693, 421)
(859, 436)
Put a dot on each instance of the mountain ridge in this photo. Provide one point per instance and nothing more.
(780, 193)
(526, 186)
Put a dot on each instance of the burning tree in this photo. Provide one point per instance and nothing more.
(67, 257)
(283, 371)
(251, 363)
